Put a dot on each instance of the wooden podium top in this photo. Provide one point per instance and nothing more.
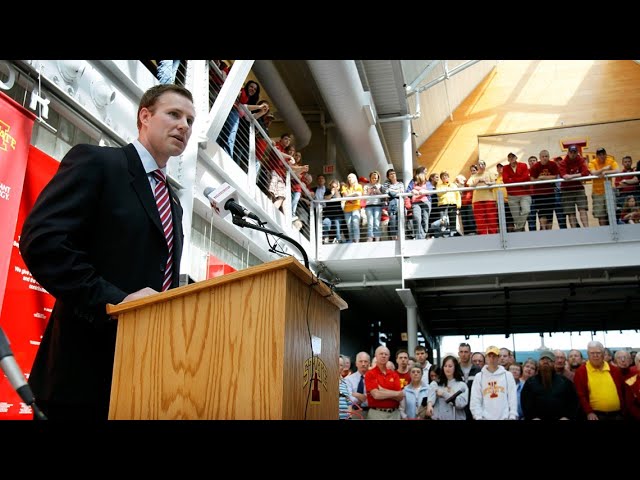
(288, 263)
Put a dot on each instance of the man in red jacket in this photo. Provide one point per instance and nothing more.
(599, 386)
(632, 395)
(520, 196)
(572, 192)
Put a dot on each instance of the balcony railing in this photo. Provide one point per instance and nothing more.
(548, 210)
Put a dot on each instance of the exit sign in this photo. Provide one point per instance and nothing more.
(328, 169)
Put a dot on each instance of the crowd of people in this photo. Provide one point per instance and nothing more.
(434, 207)
(491, 385)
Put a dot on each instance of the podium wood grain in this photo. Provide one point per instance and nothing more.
(233, 347)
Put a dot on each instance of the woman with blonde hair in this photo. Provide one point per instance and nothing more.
(352, 207)
(485, 210)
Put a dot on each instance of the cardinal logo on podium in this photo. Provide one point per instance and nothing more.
(315, 371)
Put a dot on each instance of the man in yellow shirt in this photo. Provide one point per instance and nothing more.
(599, 166)
(599, 386)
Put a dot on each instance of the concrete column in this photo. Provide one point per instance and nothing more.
(407, 153)
(412, 329)
(197, 82)
(331, 146)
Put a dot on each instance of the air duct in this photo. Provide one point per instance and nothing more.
(348, 103)
(271, 81)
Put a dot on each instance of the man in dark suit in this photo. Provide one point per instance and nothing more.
(95, 236)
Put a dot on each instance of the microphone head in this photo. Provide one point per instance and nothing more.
(218, 197)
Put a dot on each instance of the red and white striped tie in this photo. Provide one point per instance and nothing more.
(164, 208)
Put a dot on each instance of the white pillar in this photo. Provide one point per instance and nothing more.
(331, 147)
(410, 304)
(412, 329)
(407, 153)
(197, 82)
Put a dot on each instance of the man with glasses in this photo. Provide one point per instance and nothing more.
(599, 386)
(478, 359)
(357, 387)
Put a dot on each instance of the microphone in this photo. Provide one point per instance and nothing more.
(453, 397)
(225, 196)
(15, 376)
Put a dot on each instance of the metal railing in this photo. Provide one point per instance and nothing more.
(552, 208)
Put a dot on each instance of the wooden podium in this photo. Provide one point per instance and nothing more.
(237, 346)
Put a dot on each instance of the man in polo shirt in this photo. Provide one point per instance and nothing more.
(384, 391)
(599, 166)
(599, 386)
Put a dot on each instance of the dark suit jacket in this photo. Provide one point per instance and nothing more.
(93, 237)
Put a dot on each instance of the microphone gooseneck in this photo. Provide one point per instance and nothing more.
(15, 376)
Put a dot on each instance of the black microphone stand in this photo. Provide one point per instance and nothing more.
(241, 222)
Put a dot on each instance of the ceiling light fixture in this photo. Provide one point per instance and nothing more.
(102, 94)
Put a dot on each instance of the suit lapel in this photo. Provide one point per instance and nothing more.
(140, 183)
(176, 217)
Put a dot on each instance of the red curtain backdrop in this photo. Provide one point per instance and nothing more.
(27, 306)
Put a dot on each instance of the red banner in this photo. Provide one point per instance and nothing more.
(16, 124)
(216, 267)
(27, 306)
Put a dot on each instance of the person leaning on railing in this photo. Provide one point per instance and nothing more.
(332, 213)
(393, 187)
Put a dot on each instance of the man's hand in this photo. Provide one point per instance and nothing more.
(360, 396)
(145, 292)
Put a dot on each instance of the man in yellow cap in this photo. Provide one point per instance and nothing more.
(493, 393)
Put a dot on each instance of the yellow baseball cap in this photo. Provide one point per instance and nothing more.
(492, 349)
